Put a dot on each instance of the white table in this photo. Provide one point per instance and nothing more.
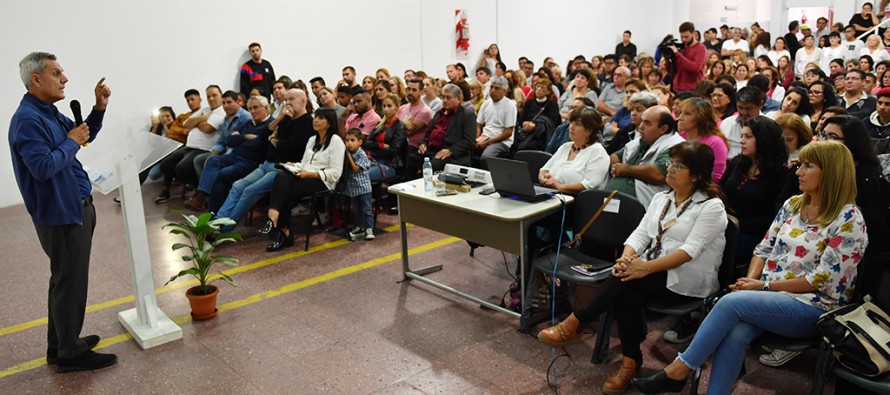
(499, 223)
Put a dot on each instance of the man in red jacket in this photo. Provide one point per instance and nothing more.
(690, 61)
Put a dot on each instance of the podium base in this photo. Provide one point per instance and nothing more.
(147, 337)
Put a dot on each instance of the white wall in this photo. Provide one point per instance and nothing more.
(151, 52)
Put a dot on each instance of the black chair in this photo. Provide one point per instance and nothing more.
(535, 160)
(314, 201)
(724, 277)
(600, 245)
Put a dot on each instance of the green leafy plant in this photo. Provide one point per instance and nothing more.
(200, 249)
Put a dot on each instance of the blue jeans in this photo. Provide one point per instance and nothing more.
(736, 320)
(361, 208)
(247, 191)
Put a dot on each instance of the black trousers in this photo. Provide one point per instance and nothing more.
(628, 300)
(287, 191)
(68, 248)
(180, 164)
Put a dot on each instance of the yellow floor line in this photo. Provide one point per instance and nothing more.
(38, 362)
(189, 283)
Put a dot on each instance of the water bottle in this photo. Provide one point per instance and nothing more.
(427, 175)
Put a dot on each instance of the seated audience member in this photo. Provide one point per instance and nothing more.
(749, 101)
(320, 170)
(582, 86)
(315, 84)
(723, 100)
(430, 95)
(540, 107)
(817, 278)
(582, 163)
(483, 75)
(495, 122)
(176, 132)
(518, 82)
(741, 76)
(368, 83)
(236, 117)
(621, 119)
(385, 142)
(665, 96)
(290, 131)
(415, 115)
(326, 99)
(450, 137)
(878, 122)
(696, 123)
(812, 75)
(809, 53)
(797, 134)
(610, 62)
(359, 114)
(358, 184)
(639, 102)
(871, 81)
(398, 87)
(705, 87)
(776, 91)
(203, 128)
(279, 89)
(717, 69)
(796, 101)
(821, 96)
(675, 263)
(344, 96)
(639, 168)
(612, 96)
(348, 78)
(857, 102)
(249, 144)
(381, 89)
(162, 124)
(561, 134)
(753, 180)
(477, 94)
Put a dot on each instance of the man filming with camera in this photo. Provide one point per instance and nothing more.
(689, 61)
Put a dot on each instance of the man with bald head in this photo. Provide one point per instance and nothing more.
(289, 133)
(639, 168)
(612, 96)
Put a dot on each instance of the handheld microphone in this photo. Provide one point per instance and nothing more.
(78, 118)
(75, 108)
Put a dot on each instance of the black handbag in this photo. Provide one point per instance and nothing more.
(859, 337)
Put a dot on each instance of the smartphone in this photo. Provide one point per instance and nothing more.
(446, 192)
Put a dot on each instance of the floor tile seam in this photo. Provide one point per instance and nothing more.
(182, 319)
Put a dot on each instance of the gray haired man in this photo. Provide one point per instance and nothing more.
(495, 122)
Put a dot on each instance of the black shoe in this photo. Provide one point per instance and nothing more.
(87, 360)
(281, 241)
(163, 197)
(266, 229)
(657, 383)
(52, 354)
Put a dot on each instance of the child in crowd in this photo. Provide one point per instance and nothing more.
(358, 186)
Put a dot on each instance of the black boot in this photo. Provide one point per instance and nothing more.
(266, 229)
(281, 241)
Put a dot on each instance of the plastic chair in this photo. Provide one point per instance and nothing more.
(535, 159)
(600, 245)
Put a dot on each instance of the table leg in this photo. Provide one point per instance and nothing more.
(403, 230)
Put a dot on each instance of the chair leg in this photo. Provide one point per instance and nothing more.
(821, 369)
(601, 347)
(696, 379)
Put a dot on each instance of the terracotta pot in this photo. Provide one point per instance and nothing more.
(203, 306)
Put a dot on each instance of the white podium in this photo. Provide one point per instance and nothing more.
(119, 169)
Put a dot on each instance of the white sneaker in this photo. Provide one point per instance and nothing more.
(778, 357)
(369, 234)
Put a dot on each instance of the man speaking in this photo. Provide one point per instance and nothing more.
(56, 191)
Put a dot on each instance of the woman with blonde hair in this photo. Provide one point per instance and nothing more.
(645, 67)
(697, 122)
(382, 74)
(518, 78)
(665, 96)
(398, 87)
(783, 293)
(368, 83)
(875, 48)
(477, 94)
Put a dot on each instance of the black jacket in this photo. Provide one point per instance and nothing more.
(459, 136)
(394, 137)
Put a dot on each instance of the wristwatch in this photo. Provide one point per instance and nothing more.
(765, 286)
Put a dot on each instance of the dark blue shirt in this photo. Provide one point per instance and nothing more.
(253, 150)
(51, 179)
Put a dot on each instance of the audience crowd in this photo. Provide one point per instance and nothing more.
(707, 125)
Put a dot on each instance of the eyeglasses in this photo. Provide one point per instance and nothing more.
(829, 136)
(676, 165)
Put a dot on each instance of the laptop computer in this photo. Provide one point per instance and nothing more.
(511, 180)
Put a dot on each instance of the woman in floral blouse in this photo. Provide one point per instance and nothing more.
(805, 266)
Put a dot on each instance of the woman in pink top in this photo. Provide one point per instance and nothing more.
(697, 123)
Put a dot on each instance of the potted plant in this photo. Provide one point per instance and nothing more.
(201, 245)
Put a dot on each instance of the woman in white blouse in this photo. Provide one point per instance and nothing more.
(779, 50)
(674, 254)
(808, 54)
(582, 163)
(875, 48)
